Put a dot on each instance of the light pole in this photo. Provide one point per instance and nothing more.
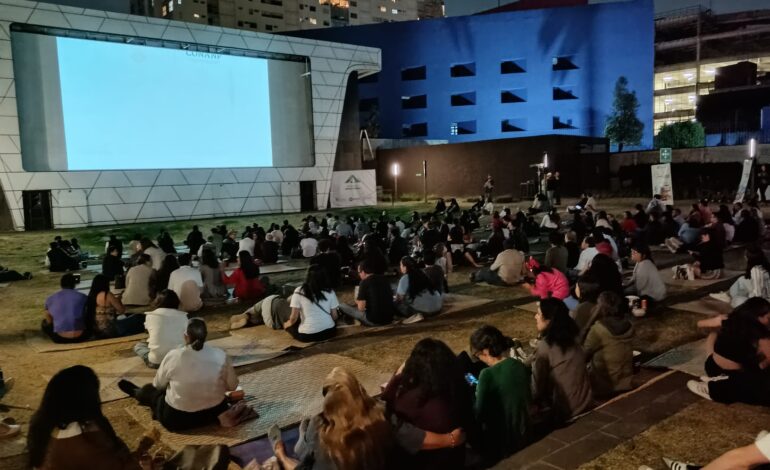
(752, 156)
(395, 170)
(425, 181)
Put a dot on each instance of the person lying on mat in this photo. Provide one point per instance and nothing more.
(166, 325)
(188, 390)
(64, 320)
(350, 432)
(313, 308)
(69, 431)
(374, 299)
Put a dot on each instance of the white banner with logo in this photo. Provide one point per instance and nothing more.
(661, 183)
(354, 188)
(744, 184)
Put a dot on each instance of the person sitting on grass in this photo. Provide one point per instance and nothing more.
(754, 283)
(374, 298)
(561, 388)
(608, 347)
(187, 283)
(211, 275)
(248, 285)
(69, 430)
(742, 458)
(189, 388)
(140, 283)
(112, 265)
(546, 282)
(688, 235)
(429, 393)
(584, 314)
(734, 368)
(169, 264)
(645, 281)
(327, 256)
(416, 296)
(556, 256)
(503, 396)
(166, 325)
(65, 320)
(59, 260)
(106, 315)
(313, 308)
(350, 432)
(507, 269)
(270, 249)
(709, 261)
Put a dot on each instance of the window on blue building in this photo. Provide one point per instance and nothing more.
(463, 70)
(559, 123)
(413, 73)
(563, 93)
(414, 102)
(463, 99)
(419, 129)
(513, 66)
(564, 63)
(367, 104)
(513, 125)
(466, 127)
(513, 96)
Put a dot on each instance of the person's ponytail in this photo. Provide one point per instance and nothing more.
(196, 333)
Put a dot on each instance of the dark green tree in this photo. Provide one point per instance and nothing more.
(623, 127)
(680, 135)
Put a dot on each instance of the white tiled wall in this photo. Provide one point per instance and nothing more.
(109, 197)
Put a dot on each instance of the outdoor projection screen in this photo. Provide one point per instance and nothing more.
(101, 105)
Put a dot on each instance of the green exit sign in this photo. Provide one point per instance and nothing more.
(665, 155)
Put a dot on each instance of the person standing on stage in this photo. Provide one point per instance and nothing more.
(489, 185)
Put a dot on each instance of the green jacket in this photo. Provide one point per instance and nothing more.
(608, 345)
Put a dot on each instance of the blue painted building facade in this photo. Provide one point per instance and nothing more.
(526, 73)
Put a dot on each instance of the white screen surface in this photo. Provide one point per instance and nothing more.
(88, 104)
(148, 107)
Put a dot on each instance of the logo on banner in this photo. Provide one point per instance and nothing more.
(352, 180)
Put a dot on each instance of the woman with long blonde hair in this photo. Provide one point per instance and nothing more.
(351, 432)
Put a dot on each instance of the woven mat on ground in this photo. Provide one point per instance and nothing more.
(454, 303)
(14, 446)
(668, 277)
(242, 351)
(704, 306)
(530, 307)
(282, 395)
(688, 358)
(43, 344)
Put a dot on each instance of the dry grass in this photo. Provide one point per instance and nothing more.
(699, 433)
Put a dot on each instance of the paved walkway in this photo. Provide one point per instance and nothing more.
(603, 429)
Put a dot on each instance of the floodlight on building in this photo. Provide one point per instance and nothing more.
(545, 159)
(752, 148)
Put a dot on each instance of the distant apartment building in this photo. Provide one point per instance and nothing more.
(693, 46)
(289, 15)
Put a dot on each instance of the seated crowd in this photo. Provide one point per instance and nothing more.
(438, 410)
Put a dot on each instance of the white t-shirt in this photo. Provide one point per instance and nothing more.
(196, 380)
(246, 244)
(763, 445)
(314, 316)
(277, 236)
(166, 327)
(586, 256)
(309, 247)
(182, 274)
(156, 255)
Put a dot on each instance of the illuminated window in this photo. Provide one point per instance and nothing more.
(313, 21)
(383, 9)
(171, 6)
(196, 15)
(394, 11)
(178, 2)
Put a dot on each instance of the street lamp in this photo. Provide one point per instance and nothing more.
(752, 156)
(545, 159)
(395, 170)
(753, 148)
